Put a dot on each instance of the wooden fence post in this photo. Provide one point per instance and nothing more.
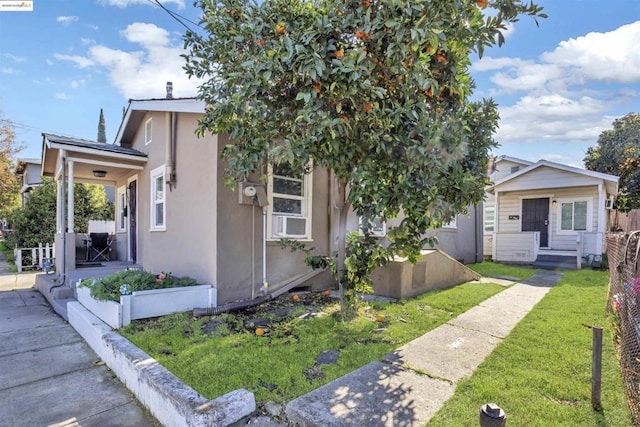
(596, 373)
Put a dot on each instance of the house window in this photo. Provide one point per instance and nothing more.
(489, 218)
(289, 203)
(451, 224)
(574, 215)
(122, 208)
(148, 131)
(158, 201)
(378, 227)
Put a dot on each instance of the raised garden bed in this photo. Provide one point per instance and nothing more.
(141, 304)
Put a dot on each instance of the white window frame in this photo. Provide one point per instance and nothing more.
(307, 204)
(488, 223)
(374, 232)
(121, 201)
(148, 131)
(154, 174)
(453, 224)
(589, 224)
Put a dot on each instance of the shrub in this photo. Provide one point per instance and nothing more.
(125, 282)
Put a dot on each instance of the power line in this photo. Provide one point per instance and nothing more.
(179, 18)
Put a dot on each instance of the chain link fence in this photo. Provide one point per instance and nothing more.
(623, 307)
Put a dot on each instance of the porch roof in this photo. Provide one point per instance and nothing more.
(610, 181)
(89, 156)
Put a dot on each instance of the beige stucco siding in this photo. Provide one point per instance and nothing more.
(187, 246)
(240, 234)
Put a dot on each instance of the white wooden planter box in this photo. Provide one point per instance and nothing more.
(143, 304)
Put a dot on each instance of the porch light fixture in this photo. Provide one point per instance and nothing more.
(554, 204)
(99, 173)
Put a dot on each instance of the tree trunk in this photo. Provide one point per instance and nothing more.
(343, 207)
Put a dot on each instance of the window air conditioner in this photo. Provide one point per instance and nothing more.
(608, 204)
(289, 226)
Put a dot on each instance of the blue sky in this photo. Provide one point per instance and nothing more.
(558, 85)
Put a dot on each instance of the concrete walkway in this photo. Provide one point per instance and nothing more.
(414, 382)
(48, 374)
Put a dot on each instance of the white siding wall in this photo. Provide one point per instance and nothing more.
(546, 177)
(511, 205)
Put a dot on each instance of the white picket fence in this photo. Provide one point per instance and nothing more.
(35, 258)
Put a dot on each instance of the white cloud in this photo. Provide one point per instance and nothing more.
(48, 61)
(607, 57)
(7, 70)
(77, 83)
(553, 117)
(61, 95)
(80, 61)
(144, 73)
(66, 20)
(567, 94)
(15, 58)
(126, 3)
(93, 27)
(85, 41)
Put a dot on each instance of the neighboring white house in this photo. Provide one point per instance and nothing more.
(546, 208)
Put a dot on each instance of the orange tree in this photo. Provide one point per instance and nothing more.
(375, 91)
(618, 153)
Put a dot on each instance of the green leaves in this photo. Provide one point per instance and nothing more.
(377, 91)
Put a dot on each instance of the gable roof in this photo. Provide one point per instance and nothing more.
(139, 107)
(22, 164)
(610, 181)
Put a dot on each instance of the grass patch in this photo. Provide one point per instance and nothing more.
(218, 354)
(489, 268)
(541, 373)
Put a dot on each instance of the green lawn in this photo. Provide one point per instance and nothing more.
(541, 373)
(278, 366)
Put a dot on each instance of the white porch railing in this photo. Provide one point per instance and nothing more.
(35, 258)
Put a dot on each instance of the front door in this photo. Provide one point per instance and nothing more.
(535, 217)
(133, 229)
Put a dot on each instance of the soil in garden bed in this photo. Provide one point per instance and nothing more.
(269, 313)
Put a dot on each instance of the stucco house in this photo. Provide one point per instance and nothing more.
(175, 214)
(544, 208)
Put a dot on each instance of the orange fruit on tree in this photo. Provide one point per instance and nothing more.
(317, 88)
(280, 29)
(327, 293)
(339, 54)
(259, 332)
(368, 107)
(295, 297)
(359, 34)
(481, 4)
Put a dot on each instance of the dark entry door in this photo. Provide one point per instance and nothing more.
(535, 217)
(133, 229)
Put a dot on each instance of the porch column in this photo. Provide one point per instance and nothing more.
(59, 224)
(70, 210)
(496, 224)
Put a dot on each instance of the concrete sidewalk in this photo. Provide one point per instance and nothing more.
(48, 373)
(414, 382)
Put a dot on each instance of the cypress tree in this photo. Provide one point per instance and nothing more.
(102, 135)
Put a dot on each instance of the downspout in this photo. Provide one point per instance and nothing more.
(168, 148)
(265, 284)
(477, 221)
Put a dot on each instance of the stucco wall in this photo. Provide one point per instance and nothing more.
(239, 225)
(188, 245)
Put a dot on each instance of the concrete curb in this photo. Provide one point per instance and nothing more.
(170, 400)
